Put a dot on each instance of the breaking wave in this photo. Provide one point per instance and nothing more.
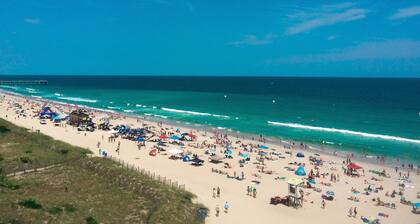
(344, 131)
(78, 99)
(193, 112)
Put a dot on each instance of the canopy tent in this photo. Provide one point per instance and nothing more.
(47, 112)
(295, 181)
(60, 117)
(300, 171)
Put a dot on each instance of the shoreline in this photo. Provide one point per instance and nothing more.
(269, 182)
(342, 153)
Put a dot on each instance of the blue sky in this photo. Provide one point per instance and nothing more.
(215, 37)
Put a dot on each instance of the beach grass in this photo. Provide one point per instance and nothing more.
(81, 189)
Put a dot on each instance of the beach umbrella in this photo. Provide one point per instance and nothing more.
(163, 137)
(174, 137)
(263, 147)
(228, 152)
(353, 166)
(245, 155)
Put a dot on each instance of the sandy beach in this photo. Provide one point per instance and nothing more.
(269, 178)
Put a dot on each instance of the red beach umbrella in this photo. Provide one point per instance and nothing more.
(354, 166)
(163, 136)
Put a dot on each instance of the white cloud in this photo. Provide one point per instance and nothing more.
(406, 12)
(327, 15)
(32, 20)
(253, 40)
(382, 50)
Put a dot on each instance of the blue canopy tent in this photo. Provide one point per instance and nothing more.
(59, 117)
(46, 112)
(300, 171)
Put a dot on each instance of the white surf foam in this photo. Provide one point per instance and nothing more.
(344, 131)
(78, 99)
(193, 112)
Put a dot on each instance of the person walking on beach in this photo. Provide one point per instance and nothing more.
(254, 193)
(323, 204)
(217, 210)
(226, 207)
(218, 192)
(355, 212)
(350, 212)
(214, 192)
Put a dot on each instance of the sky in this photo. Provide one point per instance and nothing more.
(210, 37)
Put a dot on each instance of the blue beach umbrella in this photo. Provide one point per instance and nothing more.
(263, 147)
(228, 152)
(245, 155)
(174, 137)
(300, 171)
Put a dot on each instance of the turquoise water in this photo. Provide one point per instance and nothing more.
(377, 116)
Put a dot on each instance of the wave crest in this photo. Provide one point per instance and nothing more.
(193, 112)
(344, 131)
(78, 99)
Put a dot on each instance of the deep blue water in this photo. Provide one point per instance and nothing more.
(380, 116)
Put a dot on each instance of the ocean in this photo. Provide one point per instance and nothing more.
(377, 116)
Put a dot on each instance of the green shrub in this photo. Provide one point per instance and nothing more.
(63, 151)
(69, 207)
(4, 129)
(91, 220)
(28, 151)
(25, 159)
(30, 203)
(55, 210)
(6, 183)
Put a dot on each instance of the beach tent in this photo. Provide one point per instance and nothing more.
(416, 208)
(300, 171)
(47, 112)
(263, 147)
(216, 159)
(300, 155)
(186, 158)
(329, 195)
(153, 152)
